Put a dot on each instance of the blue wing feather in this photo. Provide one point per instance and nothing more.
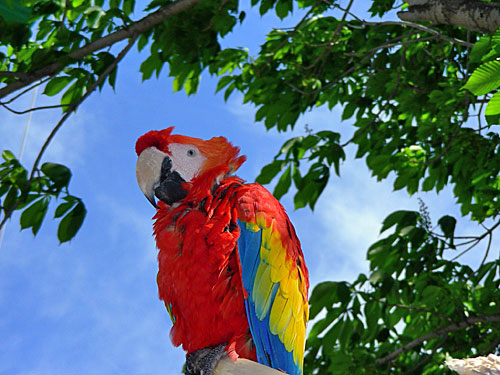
(270, 350)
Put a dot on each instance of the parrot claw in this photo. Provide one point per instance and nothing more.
(204, 361)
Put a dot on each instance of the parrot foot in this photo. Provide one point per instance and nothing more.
(204, 361)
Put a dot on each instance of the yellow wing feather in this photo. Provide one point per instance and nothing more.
(280, 288)
(289, 310)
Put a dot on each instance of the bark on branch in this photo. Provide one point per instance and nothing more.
(129, 31)
(489, 365)
(471, 15)
(227, 366)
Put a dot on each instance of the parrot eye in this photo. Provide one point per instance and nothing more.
(191, 152)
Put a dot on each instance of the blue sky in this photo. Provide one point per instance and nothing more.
(90, 306)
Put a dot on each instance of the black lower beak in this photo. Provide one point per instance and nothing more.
(170, 188)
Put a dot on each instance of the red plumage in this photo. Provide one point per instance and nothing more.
(199, 271)
(200, 274)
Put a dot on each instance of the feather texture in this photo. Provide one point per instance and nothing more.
(231, 269)
(275, 278)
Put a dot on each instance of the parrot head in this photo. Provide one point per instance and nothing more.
(169, 164)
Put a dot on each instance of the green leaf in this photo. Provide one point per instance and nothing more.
(73, 93)
(223, 82)
(376, 276)
(58, 173)
(282, 8)
(63, 208)
(284, 183)
(485, 78)
(269, 172)
(11, 198)
(14, 11)
(493, 107)
(142, 41)
(128, 6)
(321, 297)
(71, 223)
(349, 110)
(343, 292)
(372, 312)
(398, 217)
(33, 215)
(480, 49)
(304, 195)
(7, 155)
(56, 84)
(345, 332)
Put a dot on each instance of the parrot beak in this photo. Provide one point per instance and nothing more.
(156, 178)
(148, 170)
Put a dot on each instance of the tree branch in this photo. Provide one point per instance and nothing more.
(32, 109)
(136, 28)
(242, 366)
(442, 331)
(477, 240)
(480, 365)
(476, 16)
(74, 106)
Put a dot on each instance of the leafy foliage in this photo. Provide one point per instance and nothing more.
(486, 77)
(413, 298)
(32, 197)
(415, 96)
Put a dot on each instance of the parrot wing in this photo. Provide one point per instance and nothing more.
(275, 280)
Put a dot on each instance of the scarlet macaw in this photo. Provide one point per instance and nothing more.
(231, 270)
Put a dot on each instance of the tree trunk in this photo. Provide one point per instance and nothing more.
(471, 15)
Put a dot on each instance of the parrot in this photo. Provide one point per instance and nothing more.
(231, 271)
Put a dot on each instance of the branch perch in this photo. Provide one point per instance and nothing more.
(489, 365)
(227, 366)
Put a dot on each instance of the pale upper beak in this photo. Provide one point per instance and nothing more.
(148, 172)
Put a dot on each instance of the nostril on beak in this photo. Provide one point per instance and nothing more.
(166, 167)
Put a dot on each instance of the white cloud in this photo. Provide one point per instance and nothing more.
(125, 218)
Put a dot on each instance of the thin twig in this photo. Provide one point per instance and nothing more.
(42, 81)
(409, 24)
(479, 126)
(479, 239)
(488, 247)
(391, 96)
(335, 81)
(20, 75)
(490, 238)
(32, 109)
(390, 45)
(423, 28)
(332, 38)
(442, 331)
(290, 35)
(437, 314)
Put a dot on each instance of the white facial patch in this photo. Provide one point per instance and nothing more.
(187, 160)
